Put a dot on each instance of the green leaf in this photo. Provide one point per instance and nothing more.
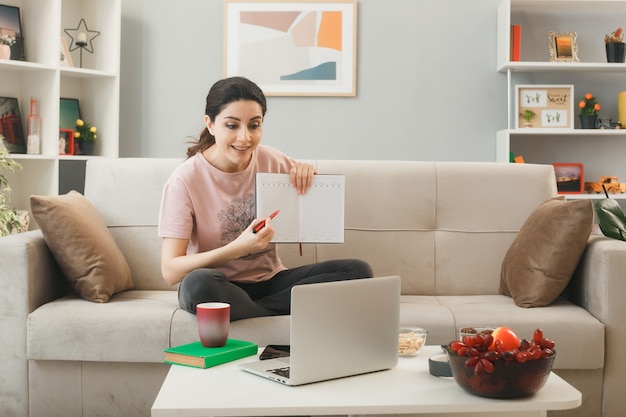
(611, 219)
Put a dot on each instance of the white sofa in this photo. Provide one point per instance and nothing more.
(444, 227)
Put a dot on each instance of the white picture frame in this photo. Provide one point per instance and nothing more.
(292, 47)
(553, 106)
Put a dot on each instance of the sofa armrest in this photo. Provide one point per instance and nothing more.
(598, 284)
(29, 277)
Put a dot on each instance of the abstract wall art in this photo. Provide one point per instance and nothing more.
(292, 47)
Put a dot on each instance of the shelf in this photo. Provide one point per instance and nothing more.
(77, 157)
(586, 196)
(566, 132)
(86, 73)
(559, 6)
(42, 76)
(29, 157)
(26, 157)
(601, 151)
(24, 66)
(524, 66)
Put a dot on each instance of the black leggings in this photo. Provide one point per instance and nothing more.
(267, 298)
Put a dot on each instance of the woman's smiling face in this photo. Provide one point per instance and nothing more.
(237, 130)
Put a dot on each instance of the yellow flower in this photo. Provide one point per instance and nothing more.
(84, 132)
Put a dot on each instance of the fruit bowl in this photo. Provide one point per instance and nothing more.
(481, 367)
(508, 379)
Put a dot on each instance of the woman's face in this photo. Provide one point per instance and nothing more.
(237, 130)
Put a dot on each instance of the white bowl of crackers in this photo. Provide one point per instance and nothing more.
(411, 340)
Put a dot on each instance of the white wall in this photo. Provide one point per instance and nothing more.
(427, 88)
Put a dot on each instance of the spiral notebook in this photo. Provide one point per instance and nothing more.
(315, 217)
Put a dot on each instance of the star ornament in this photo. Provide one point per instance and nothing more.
(82, 37)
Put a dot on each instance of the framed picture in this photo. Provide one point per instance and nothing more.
(544, 106)
(69, 112)
(66, 142)
(292, 47)
(11, 31)
(569, 178)
(65, 56)
(11, 125)
(563, 47)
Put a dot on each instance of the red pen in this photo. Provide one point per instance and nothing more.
(262, 224)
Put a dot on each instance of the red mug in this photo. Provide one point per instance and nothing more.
(213, 323)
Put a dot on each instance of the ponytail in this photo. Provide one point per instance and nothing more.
(203, 143)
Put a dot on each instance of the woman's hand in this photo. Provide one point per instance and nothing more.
(251, 242)
(301, 175)
(175, 263)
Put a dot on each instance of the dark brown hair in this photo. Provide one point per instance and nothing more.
(221, 94)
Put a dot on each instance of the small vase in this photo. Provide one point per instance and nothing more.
(615, 52)
(87, 148)
(588, 122)
(5, 52)
(621, 106)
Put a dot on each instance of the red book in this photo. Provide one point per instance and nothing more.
(516, 39)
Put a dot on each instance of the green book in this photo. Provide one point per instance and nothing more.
(198, 356)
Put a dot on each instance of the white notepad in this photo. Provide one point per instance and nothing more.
(315, 217)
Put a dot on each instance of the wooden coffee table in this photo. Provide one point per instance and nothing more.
(409, 388)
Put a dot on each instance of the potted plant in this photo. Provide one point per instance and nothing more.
(11, 221)
(6, 42)
(85, 136)
(527, 115)
(589, 108)
(614, 43)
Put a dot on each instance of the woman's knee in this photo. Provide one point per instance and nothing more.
(202, 278)
(361, 269)
(200, 286)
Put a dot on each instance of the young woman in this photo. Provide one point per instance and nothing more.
(207, 214)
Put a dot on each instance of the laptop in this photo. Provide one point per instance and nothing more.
(338, 329)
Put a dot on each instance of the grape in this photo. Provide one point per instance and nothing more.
(487, 365)
(456, 345)
(472, 361)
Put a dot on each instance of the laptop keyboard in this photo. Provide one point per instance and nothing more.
(284, 372)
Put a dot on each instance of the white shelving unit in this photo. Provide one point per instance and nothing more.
(96, 85)
(602, 152)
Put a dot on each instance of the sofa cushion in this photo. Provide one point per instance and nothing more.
(134, 326)
(542, 258)
(153, 321)
(564, 322)
(82, 245)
